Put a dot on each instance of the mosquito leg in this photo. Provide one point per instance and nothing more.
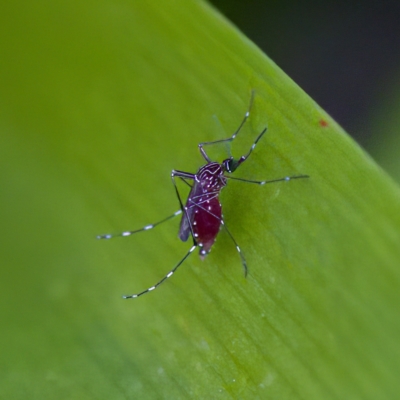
(187, 183)
(244, 263)
(245, 157)
(133, 296)
(183, 176)
(180, 174)
(230, 139)
(145, 228)
(286, 178)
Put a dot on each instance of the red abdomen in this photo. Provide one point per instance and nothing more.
(206, 224)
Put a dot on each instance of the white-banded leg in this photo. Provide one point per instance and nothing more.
(145, 228)
(244, 263)
(183, 176)
(245, 157)
(286, 178)
(230, 139)
(170, 273)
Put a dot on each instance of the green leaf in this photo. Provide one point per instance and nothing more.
(99, 102)
(385, 120)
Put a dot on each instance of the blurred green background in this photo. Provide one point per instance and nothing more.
(345, 55)
(98, 102)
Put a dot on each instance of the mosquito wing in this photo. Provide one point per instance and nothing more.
(188, 215)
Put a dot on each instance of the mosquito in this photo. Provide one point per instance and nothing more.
(202, 216)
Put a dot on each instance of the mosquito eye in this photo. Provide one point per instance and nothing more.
(231, 165)
(228, 165)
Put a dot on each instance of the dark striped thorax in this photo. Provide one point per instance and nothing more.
(211, 177)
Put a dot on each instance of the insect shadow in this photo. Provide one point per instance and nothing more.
(202, 216)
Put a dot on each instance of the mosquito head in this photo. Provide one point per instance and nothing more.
(230, 165)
